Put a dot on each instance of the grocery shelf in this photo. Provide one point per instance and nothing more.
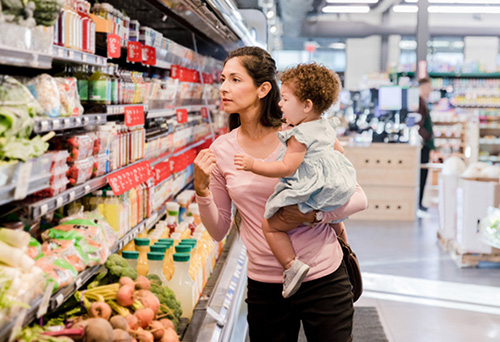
(218, 308)
(442, 123)
(177, 153)
(169, 112)
(64, 294)
(486, 126)
(120, 109)
(477, 105)
(25, 58)
(69, 55)
(163, 65)
(48, 124)
(41, 207)
(433, 74)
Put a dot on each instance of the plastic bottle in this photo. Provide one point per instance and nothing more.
(114, 84)
(82, 78)
(142, 246)
(112, 212)
(155, 261)
(182, 284)
(196, 267)
(131, 257)
(171, 224)
(190, 224)
(173, 210)
(194, 211)
(98, 88)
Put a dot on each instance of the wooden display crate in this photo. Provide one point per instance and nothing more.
(468, 260)
(389, 175)
(389, 204)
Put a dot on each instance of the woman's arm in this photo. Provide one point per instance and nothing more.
(214, 203)
(292, 159)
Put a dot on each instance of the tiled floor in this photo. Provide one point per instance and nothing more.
(420, 293)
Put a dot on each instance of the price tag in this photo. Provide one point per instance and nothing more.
(59, 202)
(87, 189)
(204, 112)
(78, 282)
(60, 52)
(134, 116)
(72, 196)
(67, 123)
(98, 119)
(23, 180)
(42, 309)
(78, 121)
(56, 124)
(59, 299)
(174, 71)
(114, 46)
(148, 55)
(134, 52)
(84, 57)
(44, 125)
(71, 54)
(182, 115)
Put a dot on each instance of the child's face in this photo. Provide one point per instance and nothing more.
(292, 107)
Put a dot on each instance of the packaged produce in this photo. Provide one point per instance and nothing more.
(45, 90)
(73, 253)
(59, 158)
(100, 165)
(59, 270)
(80, 171)
(47, 11)
(34, 249)
(70, 100)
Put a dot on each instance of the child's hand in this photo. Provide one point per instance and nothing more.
(243, 162)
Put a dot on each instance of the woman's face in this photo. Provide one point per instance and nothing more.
(238, 91)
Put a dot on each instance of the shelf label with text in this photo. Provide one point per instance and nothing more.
(174, 71)
(204, 112)
(134, 52)
(114, 46)
(182, 115)
(148, 55)
(130, 177)
(134, 116)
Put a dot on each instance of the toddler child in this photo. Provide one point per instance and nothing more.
(313, 175)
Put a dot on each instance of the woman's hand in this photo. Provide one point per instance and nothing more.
(291, 214)
(204, 164)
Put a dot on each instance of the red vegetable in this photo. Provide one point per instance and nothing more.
(125, 296)
(145, 316)
(142, 283)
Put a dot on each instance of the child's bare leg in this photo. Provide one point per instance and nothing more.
(275, 231)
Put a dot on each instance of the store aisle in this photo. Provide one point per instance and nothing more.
(420, 293)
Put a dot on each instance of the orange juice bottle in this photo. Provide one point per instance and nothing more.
(142, 246)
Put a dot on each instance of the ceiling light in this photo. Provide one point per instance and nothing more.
(440, 43)
(270, 14)
(338, 46)
(465, 9)
(352, 1)
(346, 9)
(273, 29)
(407, 44)
(405, 9)
(472, 2)
(458, 45)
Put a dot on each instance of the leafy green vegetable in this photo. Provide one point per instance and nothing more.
(170, 306)
(118, 267)
(47, 11)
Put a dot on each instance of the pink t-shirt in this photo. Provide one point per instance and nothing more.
(317, 247)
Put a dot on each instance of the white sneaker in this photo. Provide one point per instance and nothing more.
(293, 277)
(423, 214)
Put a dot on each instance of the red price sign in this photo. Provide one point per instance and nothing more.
(175, 71)
(126, 179)
(204, 112)
(134, 116)
(148, 55)
(182, 115)
(134, 52)
(114, 46)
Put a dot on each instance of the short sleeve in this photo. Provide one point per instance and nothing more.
(298, 132)
(333, 122)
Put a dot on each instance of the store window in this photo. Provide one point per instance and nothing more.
(334, 59)
(445, 53)
(408, 53)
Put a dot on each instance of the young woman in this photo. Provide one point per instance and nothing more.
(324, 301)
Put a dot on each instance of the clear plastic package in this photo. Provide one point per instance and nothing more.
(44, 88)
(80, 171)
(70, 100)
(100, 165)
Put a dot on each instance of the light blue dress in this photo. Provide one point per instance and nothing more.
(324, 181)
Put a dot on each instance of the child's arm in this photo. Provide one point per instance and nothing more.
(294, 156)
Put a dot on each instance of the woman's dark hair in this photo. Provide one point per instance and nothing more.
(262, 68)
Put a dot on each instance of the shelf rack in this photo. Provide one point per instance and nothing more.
(25, 58)
(43, 125)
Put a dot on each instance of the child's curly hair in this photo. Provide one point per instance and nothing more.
(314, 82)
